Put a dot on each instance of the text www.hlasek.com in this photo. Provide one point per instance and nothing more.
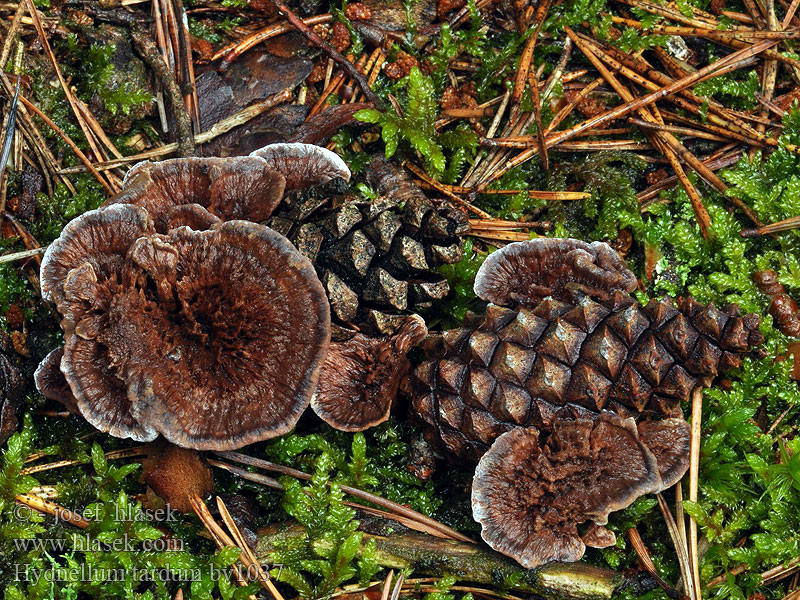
(84, 542)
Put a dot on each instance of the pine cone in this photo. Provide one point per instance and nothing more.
(528, 366)
(377, 260)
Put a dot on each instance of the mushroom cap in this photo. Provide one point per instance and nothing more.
(51, 383)
(303, 165)
(669, 441)
(529, 493)
(527, 272)
(100, 393)
(98, 237)
(598, 536)
(82, 271)
(361, 376)
(229, 188)
(231, 351)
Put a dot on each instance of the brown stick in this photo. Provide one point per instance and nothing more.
(694, 471)
(362, 495)
(312, 37)
(537, 114)
(739, 59)
(527, 56)
(152, 56)
(564, 112)
(662, 139)
(712, 34)
(233, 51)
(444, 190)
(428, 555)
(13, 30)
(83, 158)
(223, 126)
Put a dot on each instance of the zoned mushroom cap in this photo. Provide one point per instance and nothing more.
(361, 376)
(83, 271)
(530, 494)
(217, 188)
(100, 238)
(233, 352)
(303, 165)
(51, 383)
(527, 272)
(669, 441)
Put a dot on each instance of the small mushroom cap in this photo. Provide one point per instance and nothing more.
(361, 376)
(668, 440)
(303, 165)
(51, 383)
(101, 396)
(529, 494)
(100, 238)
(229, 188)
(235, 357)
(527, 272)
(598, 536)
(192, 216)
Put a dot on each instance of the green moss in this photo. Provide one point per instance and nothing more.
(326, 556)
(375, 461)
(98, 76)
(749, 473)
(14, 287)
(416, 123)
(734, 90)
(64, 206)
(121, 554)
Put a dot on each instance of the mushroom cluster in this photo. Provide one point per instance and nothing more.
(533, 489)
(184, 317)
(567, 391)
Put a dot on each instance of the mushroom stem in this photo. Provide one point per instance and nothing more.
(428, 555)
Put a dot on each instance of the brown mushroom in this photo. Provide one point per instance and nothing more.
(84, 271)
(303, 165)
(225, 188)
(361, 376)
(176, 474)
(213, 339)
(99, 238)
(668, 440)
(51, 383)
(530, 493)
(100, 392)
(527, 272)
(597, 536)
(231, 352)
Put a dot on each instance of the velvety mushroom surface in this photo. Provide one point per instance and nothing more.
(239, 188)
(303, 164)
(234, 355)
(530, 491)
(361, 376)
(527, 272)
(200, 192)
(182, 319)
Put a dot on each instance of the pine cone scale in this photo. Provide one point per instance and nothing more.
(377, 258)
(522, 367)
